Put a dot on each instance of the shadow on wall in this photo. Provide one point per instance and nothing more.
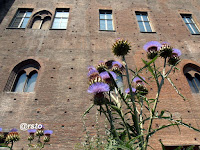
(5, 5)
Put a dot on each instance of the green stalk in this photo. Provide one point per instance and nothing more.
(11, 145)
(42, 146)
(155, 103)
(136, 120)
(111, 122)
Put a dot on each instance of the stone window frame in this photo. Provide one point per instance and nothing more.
(192, 74)
(142, 14)
(106, 11)
(190, 23)
(42, 16)
(29, 72)
(22, 18)
(63, 10)
(29, 66)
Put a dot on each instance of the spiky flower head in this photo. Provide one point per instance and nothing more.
(121, 47)
(152, 48)
(96, 79)
(107, 78)
(176, 52)
(128, 90)
(40, 132)
(141, 89)
(12, 136)
(117, 67)
(105, 75)
(138, 80)
(92, 73)
(46, 139)
(102, 67)
(165, 50)
(174, 59)
(31, 131)
(100, 99)
(48, 132)
(116, 64)
(98, 87)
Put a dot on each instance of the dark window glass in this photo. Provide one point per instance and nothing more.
(20, 83)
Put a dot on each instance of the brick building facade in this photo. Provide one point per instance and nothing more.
(61, 51)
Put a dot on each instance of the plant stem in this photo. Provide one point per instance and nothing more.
(11, 145)
(136, 119)
(156, 102)
(111, 122)
(42, 146)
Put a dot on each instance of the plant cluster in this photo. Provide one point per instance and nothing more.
(128, 111)
(13, 136)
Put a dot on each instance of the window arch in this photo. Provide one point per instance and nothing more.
(23, 77)
(41, 20)
(192, 74)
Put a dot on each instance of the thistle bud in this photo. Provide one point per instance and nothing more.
(46, 139)
(102, 67)
(121, 47)
(31, 137)
(47, 134)
(141, 89)
(165, 50)
(100, 99)
(39, 132)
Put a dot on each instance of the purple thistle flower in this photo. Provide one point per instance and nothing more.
(92, 71)
(98, 87)
(0, 129)
(91, 68)
(31, 131)
(104, 75)
(48, 132)
(116, 63)
(152, 45)
(137, 79)
(128, 90)
(176, 52)
(13, 130)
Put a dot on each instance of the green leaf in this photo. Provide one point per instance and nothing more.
(170, 81)
(191, 147)
(149, 68)
(87, 111)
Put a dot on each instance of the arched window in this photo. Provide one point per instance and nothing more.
(23, 77)
(41, 20)
(192, 74)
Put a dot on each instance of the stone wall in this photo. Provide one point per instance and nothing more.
(60, 96)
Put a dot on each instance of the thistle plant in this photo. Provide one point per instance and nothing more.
(128, 111)
(39, 133)
(13, 136)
